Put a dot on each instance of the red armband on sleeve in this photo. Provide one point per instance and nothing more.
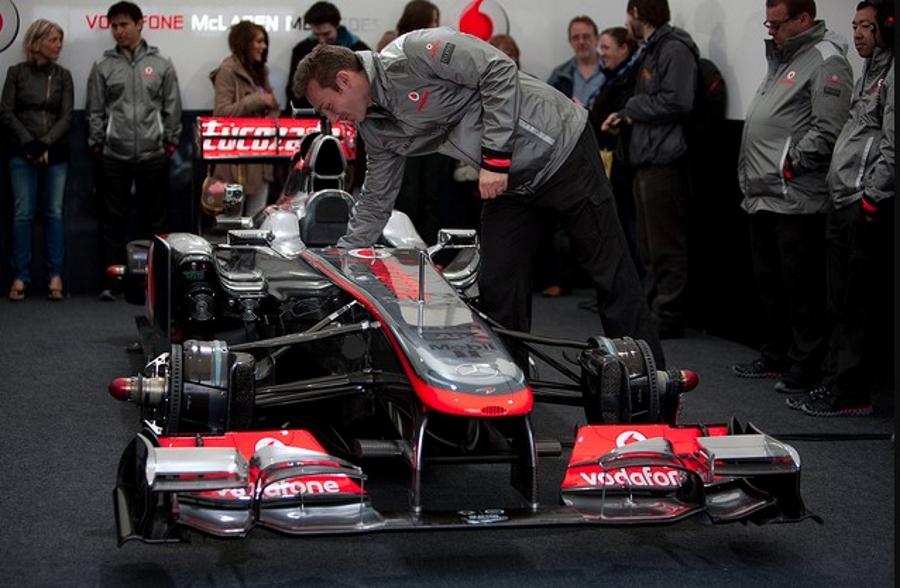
(496, 161)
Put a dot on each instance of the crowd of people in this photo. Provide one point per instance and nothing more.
(598, 178)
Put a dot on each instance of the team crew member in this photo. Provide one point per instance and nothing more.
(789, 134)
(134, 125)
(860, 225)
(436, 90)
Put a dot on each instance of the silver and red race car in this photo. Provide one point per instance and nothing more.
(307, 389)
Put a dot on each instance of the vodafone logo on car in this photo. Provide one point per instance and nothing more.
(629, 437)
(267, 442)
(9, 24)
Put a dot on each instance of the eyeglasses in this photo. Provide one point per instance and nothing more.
(777, 25)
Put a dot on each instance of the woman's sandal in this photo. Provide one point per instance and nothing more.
(17, 292)
(55, 289)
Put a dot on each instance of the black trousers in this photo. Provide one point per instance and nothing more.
(659, 196)
(581, 197)
(788, 253)
(857, 265)
(150, 179)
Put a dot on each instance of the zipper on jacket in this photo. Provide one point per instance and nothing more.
(47, 102)
(784, 154)
(862, 163)
(134, 113)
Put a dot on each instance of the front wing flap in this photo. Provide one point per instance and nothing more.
(285, 481)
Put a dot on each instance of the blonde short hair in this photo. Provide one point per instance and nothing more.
(35, 35)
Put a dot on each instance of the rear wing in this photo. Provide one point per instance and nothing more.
(228, 139)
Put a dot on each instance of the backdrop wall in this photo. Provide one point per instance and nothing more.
(194, 34)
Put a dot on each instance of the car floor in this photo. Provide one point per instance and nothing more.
(61, 436)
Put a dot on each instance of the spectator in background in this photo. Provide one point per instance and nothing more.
(618, 49)
(424, 176)
(417, 14)
(324, 22)
(242, 88)
(508, 45)
(36, 113)
(789, 135)
(133, 130)
(580, 79)
(859, 227)
(663, 97)
(525, 171)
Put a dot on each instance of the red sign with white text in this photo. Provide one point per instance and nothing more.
(236, 138)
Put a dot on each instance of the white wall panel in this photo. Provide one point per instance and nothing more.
(193, 33)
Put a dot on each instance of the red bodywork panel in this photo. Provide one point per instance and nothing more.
(248, 442)
(594, 442)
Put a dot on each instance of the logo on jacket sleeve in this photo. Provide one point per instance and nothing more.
(833, 85)
(420, 98)
(447, 53)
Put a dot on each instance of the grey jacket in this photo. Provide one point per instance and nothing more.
(663, 97)
(37, 105)
(133, 104)
(440, 91)
(863, 160)
(797, 113)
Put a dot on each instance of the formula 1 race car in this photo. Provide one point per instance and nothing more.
(287, 379)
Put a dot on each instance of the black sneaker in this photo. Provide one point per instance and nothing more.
(832, 405)
(108, 296)
(794, 384)
(796, 401)
(758, 368)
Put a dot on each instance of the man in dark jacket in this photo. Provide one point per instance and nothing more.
(663, 97)
(436, 90)
(324, 22)
(859, 228)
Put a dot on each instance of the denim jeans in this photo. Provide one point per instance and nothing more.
(29, 183)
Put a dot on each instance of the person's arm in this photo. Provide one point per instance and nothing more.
(677, 79)
(171, 111)
(384, 175)
(228, 103)
(8, 108)
(96, 109)
(879, 180)
(472, 63)
(830, 92)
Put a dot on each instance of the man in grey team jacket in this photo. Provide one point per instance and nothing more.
(439, 91)
(134, 125)
(789, 134)
(860, 226)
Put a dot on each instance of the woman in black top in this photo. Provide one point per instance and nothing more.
(36, 113)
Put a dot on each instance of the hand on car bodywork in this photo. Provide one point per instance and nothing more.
(491, 184)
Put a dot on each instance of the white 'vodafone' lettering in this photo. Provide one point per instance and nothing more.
(287, 488)
(644, 477)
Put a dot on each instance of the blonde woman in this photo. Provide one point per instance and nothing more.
(36, 113)
(242, 88)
